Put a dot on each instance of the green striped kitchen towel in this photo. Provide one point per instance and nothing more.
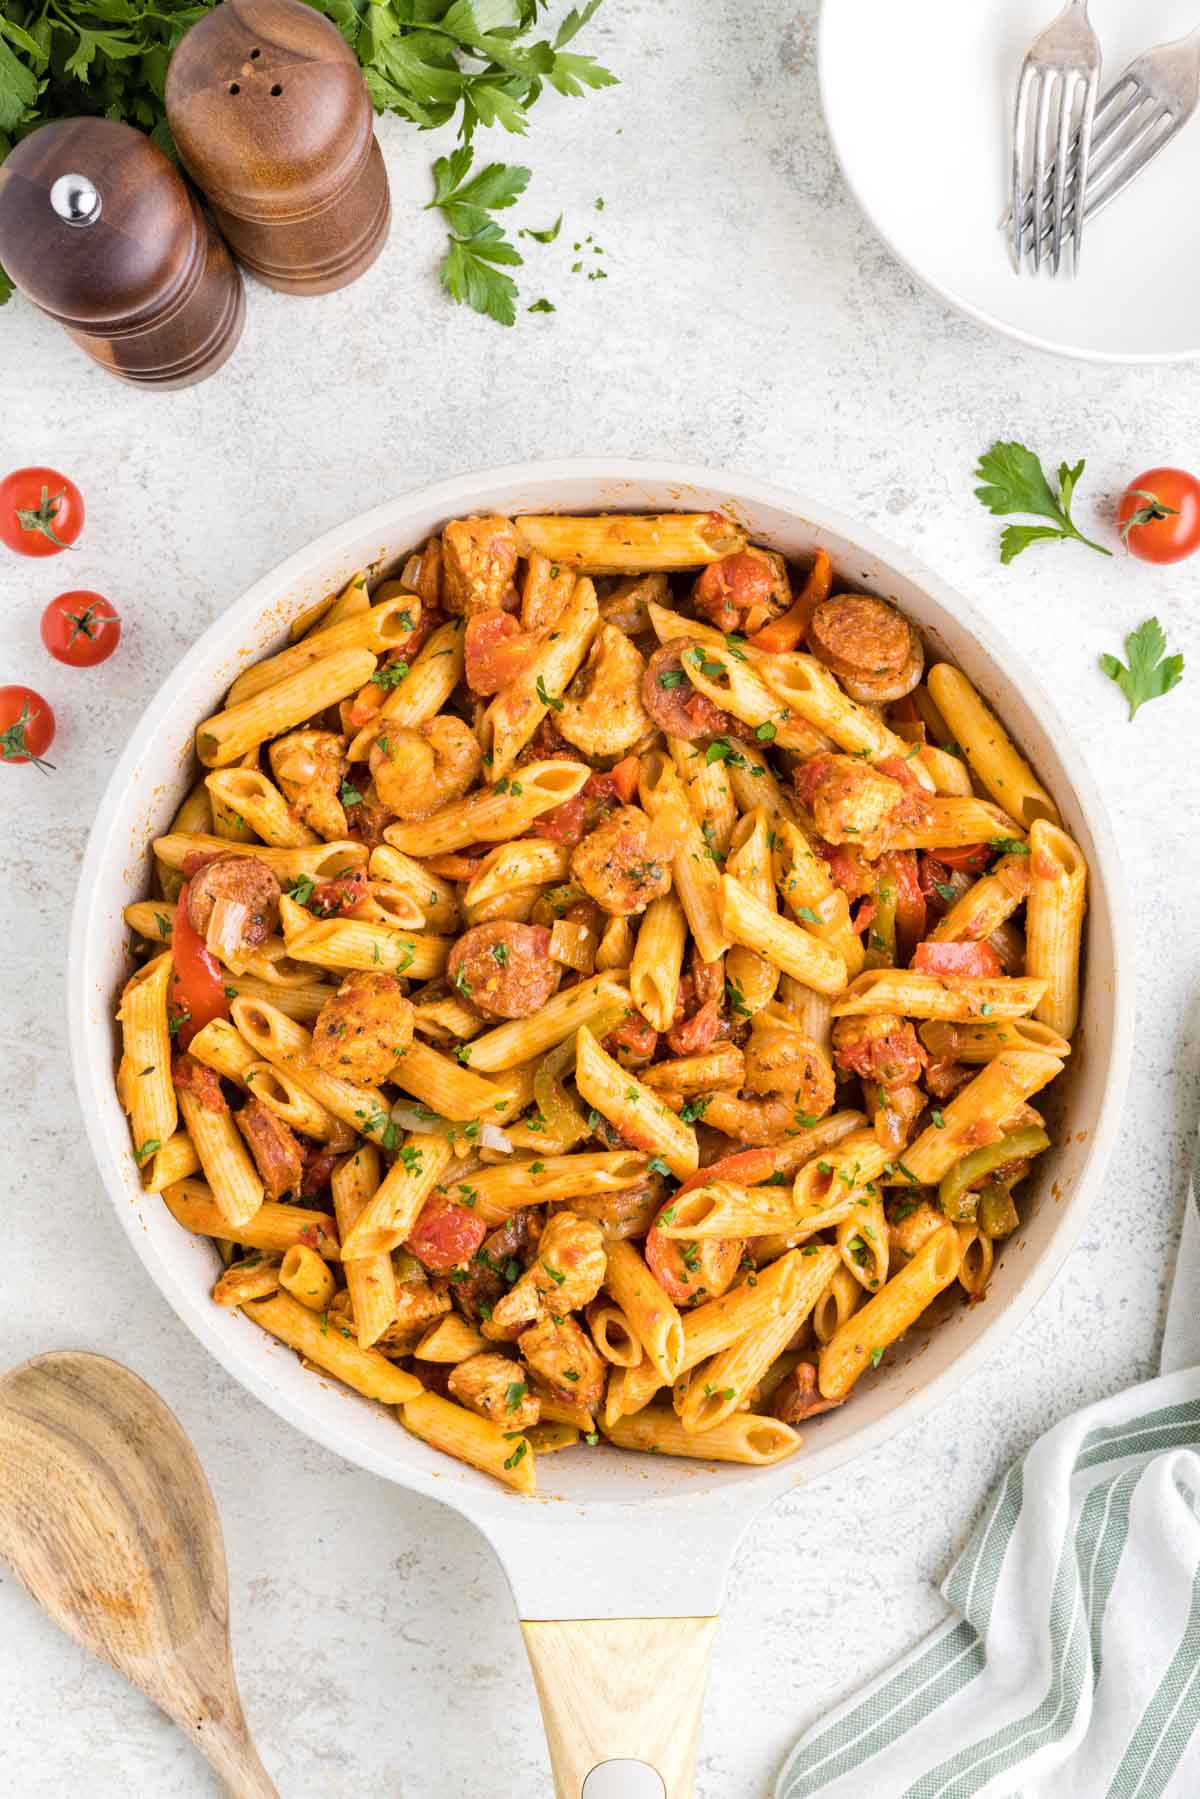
(1071, 1666)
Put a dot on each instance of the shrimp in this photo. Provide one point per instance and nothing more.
(418, 771)
(780, 1058)
(310, 767)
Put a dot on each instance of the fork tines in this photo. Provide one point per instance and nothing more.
(1052, 140)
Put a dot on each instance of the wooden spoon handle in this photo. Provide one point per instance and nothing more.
(233, 1756)
(622, 1688)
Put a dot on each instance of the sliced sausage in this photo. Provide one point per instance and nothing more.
(274, 1146)
(235, 881)
(614, 865)
(504, 968)
(362, 1032)
(869, 645)
(745, 591)
(674, 704)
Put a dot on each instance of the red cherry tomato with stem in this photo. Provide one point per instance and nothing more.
(80, 628)
(1159, 515)
(41, 512)
(26, 727)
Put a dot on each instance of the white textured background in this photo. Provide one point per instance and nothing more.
(750, 319)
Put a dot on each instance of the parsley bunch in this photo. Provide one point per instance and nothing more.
(481, 62)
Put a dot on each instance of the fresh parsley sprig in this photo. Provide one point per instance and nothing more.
(1014, 481)
(1150, 672)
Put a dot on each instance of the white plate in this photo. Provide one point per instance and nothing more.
(918, 99)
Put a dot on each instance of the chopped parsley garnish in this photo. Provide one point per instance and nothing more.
(807, 914)
(500, 953)
(876, 1357)
(462, 983)
(721, 750)
(938, 1120)
(670, 677)
(145, 1150)
(517, 1454)
(350, 796)
(515, 1395)
(411, 1158)
(556, 1274)
(554, 701)
(766, 732)
(656, 1165)
(945, 891)
(694, 1109)
(391, 674)
(1009, 846)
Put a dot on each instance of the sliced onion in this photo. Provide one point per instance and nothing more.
(412, 1120)
(492, 1137)
(226, 928)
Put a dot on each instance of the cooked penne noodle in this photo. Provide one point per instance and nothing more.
(172, 1161)
(842, 1296)
(720, 1386)
(301, 1003)
(393, 1209)
(151, 919)
(635, 1111)
(446, 1087)
(993, 756)
(812, 692)
(723, 1210)
(958, 999)
(889, 1313)
(370, 1279)
(420, 694)
(353, 598)
(613, 1334)
(377, 628)
(436, 899)
(451, 1339)
(227, 818)
(984, 907)
(274, 1227)
(194, 815)
(658, 961)
(1054, 930)
(469, 1438)
(981, 1042)
(523, 1038)
(651, 1316)
(721, 672)
(255, 1277)
(977, 1110)
(519, 708)
(744, 1437)
(544, 1439)
(508, 1186)
(862, 1240)
(287, 1045)
(810, 1011)
(615, 948)
(283, 1095)
(850, 1167)
(791, 948)
(306, 1277)
(948, 821)
(977, 1256)
(350, 943)
(231, 1175)
(530, 862)
(144, 1078)
(809, 893)
(696, 875)
(949, 773)
(753, 978)
(490, 816)
(248, 794)
(320, 861)
(708, 792)
(316, 1337)
(754, 784)
(222, 1048)
(618, 544)
(221, 739)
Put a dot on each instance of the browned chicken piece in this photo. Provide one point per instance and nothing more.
(234, 901)
(602, 712)
(418, 1305)
(851, 802)
(274, 1146)
(614, 865)
(798, 1396)
(310, 767)
(562, 1354)
(882, 1047)
(498, 1262)
(569, 1271)
(479, 560)
(629, 1212)
(362, 1032)
(495, 1386)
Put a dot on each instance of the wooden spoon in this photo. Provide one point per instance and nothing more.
(107, 1519)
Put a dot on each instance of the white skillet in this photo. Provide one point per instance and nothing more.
(618, 1568)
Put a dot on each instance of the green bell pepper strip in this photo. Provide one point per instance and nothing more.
(565, 1122)
(997, 1215)
(957, 1201)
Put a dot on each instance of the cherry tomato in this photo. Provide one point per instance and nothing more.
(80, 628)
(41, 512)
(26, 726)
(1160, 515)
(197, 989)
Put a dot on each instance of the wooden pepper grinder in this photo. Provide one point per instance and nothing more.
(100, 232)
(273, 121)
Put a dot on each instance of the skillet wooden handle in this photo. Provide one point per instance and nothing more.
(616, 1689)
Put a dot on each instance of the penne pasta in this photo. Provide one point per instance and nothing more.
(1054, 931)
(886, 1316)
(246, 793)
(958, 999)
(378, 628)
(144, 1077)
(390, 1213)
(650, 1315)
(658, 961)
(696, 875)
(975, 1114)
(370, 1279)
(468, 1438)
(221, 739)
(306, 1277)
(993, 756)
(792, 949)
(744, 1437)
(618, 544)
(635, 1111)
(491, 815)
(316, 1337)
(274, 1227)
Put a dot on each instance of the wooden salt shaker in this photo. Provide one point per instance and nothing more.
(273, 121)
(101, 233)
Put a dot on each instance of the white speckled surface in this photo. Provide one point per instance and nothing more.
(750, 319)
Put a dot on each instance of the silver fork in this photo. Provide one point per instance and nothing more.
(1144, 109)
(1060, 79)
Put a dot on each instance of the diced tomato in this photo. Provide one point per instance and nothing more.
(976, 961)
(624, 777)
(847, 868)
(786, 632)
(864, 915)
(690, 1271)
(900, 870)
(745, 1168)
(635, 1037)
(564, 824)
(203, 1083)
(335, 897)
(197, 988)
(496, 650)
(973, 858)
(901, 769)
(445, 1235)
